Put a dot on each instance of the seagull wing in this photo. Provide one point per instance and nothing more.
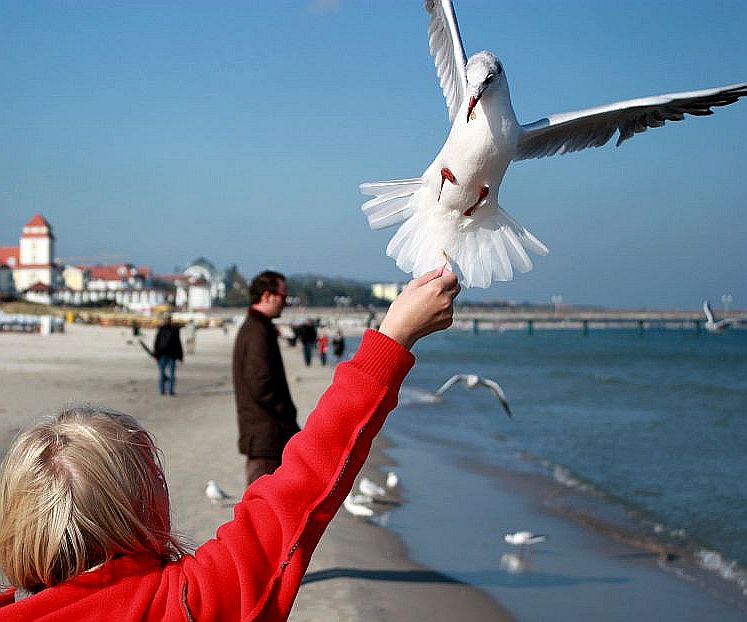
(445, 44)
(707, 310)
(593, 127)
(449, 383)
(728, 321)
(496, 388)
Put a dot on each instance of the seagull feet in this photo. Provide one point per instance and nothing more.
(445, 174)
(483, 194)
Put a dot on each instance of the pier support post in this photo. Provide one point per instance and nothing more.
(585, 325)
(475, 326)
(640, 328)
(698, 326)
(530, 327)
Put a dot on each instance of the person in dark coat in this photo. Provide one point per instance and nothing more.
(167, 349)
(307, 335)
(338, 345)
(266, 413)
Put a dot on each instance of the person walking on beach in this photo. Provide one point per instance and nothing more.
(307, 335)
(167, 348)
(85, 527)
(338, 346)
(266, 413)
(323, 345)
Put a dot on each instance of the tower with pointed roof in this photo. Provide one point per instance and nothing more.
(35, 253)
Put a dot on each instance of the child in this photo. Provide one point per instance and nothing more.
(84, 508)
(322, 345)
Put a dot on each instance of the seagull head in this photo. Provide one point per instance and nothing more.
(483, 71)
(471, 380)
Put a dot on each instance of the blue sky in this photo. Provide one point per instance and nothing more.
(160, 131)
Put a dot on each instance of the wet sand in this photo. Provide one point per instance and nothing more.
(359, 571)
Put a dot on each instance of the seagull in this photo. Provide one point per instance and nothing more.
(367, 487)
(523, 539)
(451, 211)
(360, 499)
(392, 480)
(713, 326)
(215, 493)
(473, 380)
(355, 508)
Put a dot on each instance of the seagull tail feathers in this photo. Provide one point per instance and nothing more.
(392, 202)
(490, 247)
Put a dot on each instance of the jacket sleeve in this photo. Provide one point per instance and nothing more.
(178, 352)
(254, 566)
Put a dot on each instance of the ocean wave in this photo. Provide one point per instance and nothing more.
(665, 537)
(564, 476)
(728, 570)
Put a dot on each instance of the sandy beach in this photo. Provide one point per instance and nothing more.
(359, 571)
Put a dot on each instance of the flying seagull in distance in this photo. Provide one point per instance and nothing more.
(713, 326)
(473, 380)
(215, 493)
(451, 212)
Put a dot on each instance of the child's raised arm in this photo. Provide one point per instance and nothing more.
(254, 567)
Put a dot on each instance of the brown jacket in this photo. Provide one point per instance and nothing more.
(266, 413)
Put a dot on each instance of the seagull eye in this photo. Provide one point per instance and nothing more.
(489, 78)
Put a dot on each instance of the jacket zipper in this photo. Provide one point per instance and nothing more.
(335, 486)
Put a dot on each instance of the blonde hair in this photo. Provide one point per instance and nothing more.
(76, 492)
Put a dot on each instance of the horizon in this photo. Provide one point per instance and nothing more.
(165, 132)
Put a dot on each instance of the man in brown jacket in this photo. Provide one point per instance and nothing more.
(266, 413)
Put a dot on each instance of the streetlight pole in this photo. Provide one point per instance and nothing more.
(726, 299)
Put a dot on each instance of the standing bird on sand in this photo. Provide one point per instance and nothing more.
(523, 539)
(215, 493)
(473, 380)
(367, 487)
(451, 212)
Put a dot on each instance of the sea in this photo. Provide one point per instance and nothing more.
(639, 437)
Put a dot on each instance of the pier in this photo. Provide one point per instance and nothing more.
(528, 320)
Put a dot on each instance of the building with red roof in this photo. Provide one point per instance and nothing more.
(30, 263)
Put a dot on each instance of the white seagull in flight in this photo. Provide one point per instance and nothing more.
(713, 326)
(451, 212)
(473, 380)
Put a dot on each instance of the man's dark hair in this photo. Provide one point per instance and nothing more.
(267, 281)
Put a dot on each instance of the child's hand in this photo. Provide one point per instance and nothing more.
(424, 306)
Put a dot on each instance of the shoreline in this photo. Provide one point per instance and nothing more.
(585, 556)
(371, 575)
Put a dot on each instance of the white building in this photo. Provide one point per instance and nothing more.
(386, 291)
(33, 272)
(203, 270)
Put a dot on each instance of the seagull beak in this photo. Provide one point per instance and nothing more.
(472, 103)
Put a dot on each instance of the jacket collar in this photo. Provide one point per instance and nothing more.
(112, 571)
(258, 315)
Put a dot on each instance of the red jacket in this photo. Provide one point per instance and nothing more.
(253, 568)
